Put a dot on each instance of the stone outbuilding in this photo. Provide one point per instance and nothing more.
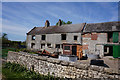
(100, 38)
(75, 39)
(62, 38)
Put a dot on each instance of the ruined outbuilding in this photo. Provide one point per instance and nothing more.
(76, 39)
(101, 38)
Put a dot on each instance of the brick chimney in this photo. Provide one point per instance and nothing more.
(47, 24)
(59, 22)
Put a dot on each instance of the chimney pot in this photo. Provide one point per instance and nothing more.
(47, 24)
(59, 22)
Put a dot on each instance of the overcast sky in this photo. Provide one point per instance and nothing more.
(20, 17)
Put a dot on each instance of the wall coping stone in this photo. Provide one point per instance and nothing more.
(64, 63)
(53, 60)
(97, 68)
(81, 66)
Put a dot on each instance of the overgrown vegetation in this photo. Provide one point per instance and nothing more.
(5, 51)
(8, 45)
(12, 71)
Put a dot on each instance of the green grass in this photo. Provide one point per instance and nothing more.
(5, 51)
(12, 71)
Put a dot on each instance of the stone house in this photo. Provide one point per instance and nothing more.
(100, 38)
(66, 38)
(75, 39)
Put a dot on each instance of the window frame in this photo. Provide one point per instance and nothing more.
(76, 38)
(67, 49)
(33, 37)
(62, 36)
(43, 38)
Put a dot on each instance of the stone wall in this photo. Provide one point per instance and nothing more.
(59, 68)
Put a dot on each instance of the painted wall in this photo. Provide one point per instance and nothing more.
(52, 39)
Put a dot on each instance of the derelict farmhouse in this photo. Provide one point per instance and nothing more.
(76, 39)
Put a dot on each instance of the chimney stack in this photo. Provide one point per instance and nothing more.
(47, 24)
(59, 22)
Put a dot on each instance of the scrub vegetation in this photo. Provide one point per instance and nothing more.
(13, 71)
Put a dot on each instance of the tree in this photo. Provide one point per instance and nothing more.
(4, 36)
(69, 22)
(63, 22)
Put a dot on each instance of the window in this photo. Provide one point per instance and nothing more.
(110, 37)
(48, 45)
(42, 46)
(32, 45)
(43, 37)
(66, 47)
(63, 36)
(57, 46)
(75, 37)
(33, 37)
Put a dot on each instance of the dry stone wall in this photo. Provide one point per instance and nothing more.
(59, 68)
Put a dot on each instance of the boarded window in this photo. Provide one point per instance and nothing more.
(33, 37)
(57, 46)
(43, 37)
(42, 46)
(94, 37)
(32, 45)
(63, 36)
(75, 37)
(115, 37)
(66, 47)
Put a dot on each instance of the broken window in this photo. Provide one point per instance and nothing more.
(42, 46)
(33, 37)
(63, 36)
(32, 45)
(57, 46)
(66, 47)
(43, 37)
(48, 45)
(109, 38)
(75, 37)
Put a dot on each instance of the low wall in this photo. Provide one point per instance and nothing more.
(59, 68)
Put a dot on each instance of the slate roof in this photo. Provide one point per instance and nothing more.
(67, 28)
(102, 27)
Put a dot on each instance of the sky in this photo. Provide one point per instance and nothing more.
(18, 18)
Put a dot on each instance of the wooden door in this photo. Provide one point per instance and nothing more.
(79, 51)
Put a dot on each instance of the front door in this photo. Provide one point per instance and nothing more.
(74, 50)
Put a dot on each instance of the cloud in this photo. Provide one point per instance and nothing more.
(19, 18)
(14, 29)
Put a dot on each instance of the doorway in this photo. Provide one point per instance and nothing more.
(74, 50)
(108, 50)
